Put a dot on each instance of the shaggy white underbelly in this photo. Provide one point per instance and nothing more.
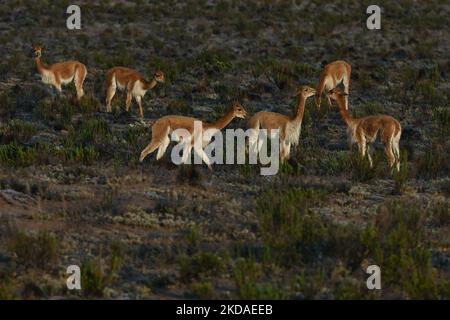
(66, 81)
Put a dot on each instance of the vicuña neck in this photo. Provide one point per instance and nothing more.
(300, 109)
(344, 112)
(151, 84)
(40, 65)
(222, 122)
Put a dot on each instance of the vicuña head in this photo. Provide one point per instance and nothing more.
(306, 92)
(37, 51)
(337, 94)
(238, 110)
(159, 76)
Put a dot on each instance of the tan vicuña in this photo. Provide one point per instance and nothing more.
(135, 84)
(289, 127)
(364, 131)
(61, 73)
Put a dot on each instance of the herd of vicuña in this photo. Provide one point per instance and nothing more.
(362, 131)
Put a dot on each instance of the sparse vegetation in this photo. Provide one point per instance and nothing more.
(38, 251)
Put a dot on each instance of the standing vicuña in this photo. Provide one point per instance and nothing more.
(333, 74)
(134, 82)
(61, 73)
(163, 127)
(364, 131)
(289, 126)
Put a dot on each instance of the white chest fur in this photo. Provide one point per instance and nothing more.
(293, 132)
(351, 132)
(47, 77)
(138, 89)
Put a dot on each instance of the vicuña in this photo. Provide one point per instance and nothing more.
(135, 84)
(164, 126)
(364, 131)
(61, 73)
(289, 127)
(333, 74)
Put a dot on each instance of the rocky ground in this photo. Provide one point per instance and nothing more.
(72, 190)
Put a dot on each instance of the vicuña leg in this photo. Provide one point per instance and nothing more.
(59, 89)
(110, 95)
(389, 154)
(346, 83)
(330, 105)
(369, 156)
(128, 102)
(363, 148)
(204, 157)
(285, 150)
(159, 132)
(163, 147)
(396, 149)
(253, 141)
(80, 76)
(152, 146)
(141, 109)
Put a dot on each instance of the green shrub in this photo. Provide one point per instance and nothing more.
(400, 247)
(441, 214)
(434, 162)
(442, 118)
(334, 164)
(247, 276)
(200, 264)
(401, 176)
(17, 131)
(179, 106)
(214, 61)
(88, 132)
(14, 155)
(56, 112)
(7, 289)
(288, 227)
(35, 250)
(7, 107)
(87, 155)
(89, 104)
(361, 170)
(189, 174)
(204, 290)
(95, 276)
(310, 283)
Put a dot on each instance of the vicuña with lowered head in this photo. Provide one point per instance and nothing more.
(61, 73)
(333, 74)
(124, 78)
(364, 131)
(164, 126)
(289, 127)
